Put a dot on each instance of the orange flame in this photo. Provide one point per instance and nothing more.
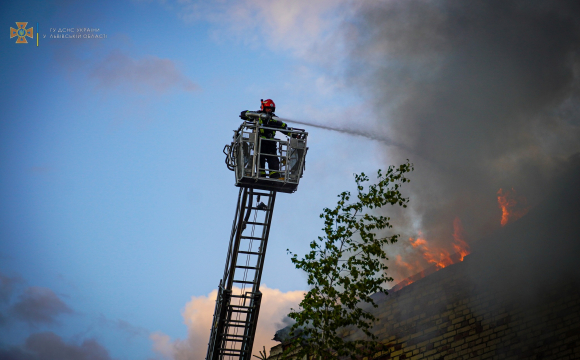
(460, 245)
(507, 202)
(408, 267)
(438, 257)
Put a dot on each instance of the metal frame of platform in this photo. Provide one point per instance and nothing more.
(244, 157)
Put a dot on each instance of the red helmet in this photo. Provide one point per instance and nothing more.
(268, 103)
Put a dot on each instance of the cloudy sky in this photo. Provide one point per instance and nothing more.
(116, 203)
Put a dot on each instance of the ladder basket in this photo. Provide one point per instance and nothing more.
(245, 158)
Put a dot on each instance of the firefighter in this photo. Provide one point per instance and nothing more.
(268, 147)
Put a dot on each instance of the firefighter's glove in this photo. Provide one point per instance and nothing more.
(243, 115)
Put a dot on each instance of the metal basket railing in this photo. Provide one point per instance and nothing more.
(243, 156)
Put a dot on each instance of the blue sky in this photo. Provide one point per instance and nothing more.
(115, 201)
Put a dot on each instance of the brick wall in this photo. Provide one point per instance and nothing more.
(446, 316)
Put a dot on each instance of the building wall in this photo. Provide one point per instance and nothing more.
(446, 316)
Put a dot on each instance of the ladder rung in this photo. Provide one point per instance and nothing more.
(237, 321)
(241, 307)
(250, 237)
(247, 267)
(235, 336)
(241, 311)
(243, 282)
(243, 296)
(261, 209)
(236, 340)
(255, 223)
(229, 354)
(261, 194)
(237, 324)
(234, 325)
(249, 252)
(226, 352)
(234, 350)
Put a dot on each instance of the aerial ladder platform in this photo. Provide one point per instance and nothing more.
(238, 300)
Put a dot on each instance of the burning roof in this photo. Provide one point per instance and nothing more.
(552, 219)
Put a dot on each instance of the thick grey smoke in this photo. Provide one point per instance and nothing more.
(485, 92)
(538, 252)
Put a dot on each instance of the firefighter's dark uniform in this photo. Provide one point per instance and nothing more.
(270, 147)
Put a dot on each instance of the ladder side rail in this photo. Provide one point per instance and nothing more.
(233, 251)
(250, 331)
(222, 310)
(232, 238)
(223, 330)
(225, 335)
(228, 280)
(255, 295)
(213, 330)
(245, 213)
(265, 236)
(218, 324)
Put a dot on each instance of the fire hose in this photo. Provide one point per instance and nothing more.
(230, 152)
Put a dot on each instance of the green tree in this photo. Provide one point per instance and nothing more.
(344, 268)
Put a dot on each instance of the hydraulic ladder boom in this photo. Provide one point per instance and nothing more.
(238, 301)
(236, 312)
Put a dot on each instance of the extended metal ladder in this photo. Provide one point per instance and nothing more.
(236, 312)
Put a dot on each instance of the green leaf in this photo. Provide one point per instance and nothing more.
(344, 268)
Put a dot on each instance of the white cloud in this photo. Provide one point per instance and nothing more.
(162, 345)
(198, 315)
(295, 25)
